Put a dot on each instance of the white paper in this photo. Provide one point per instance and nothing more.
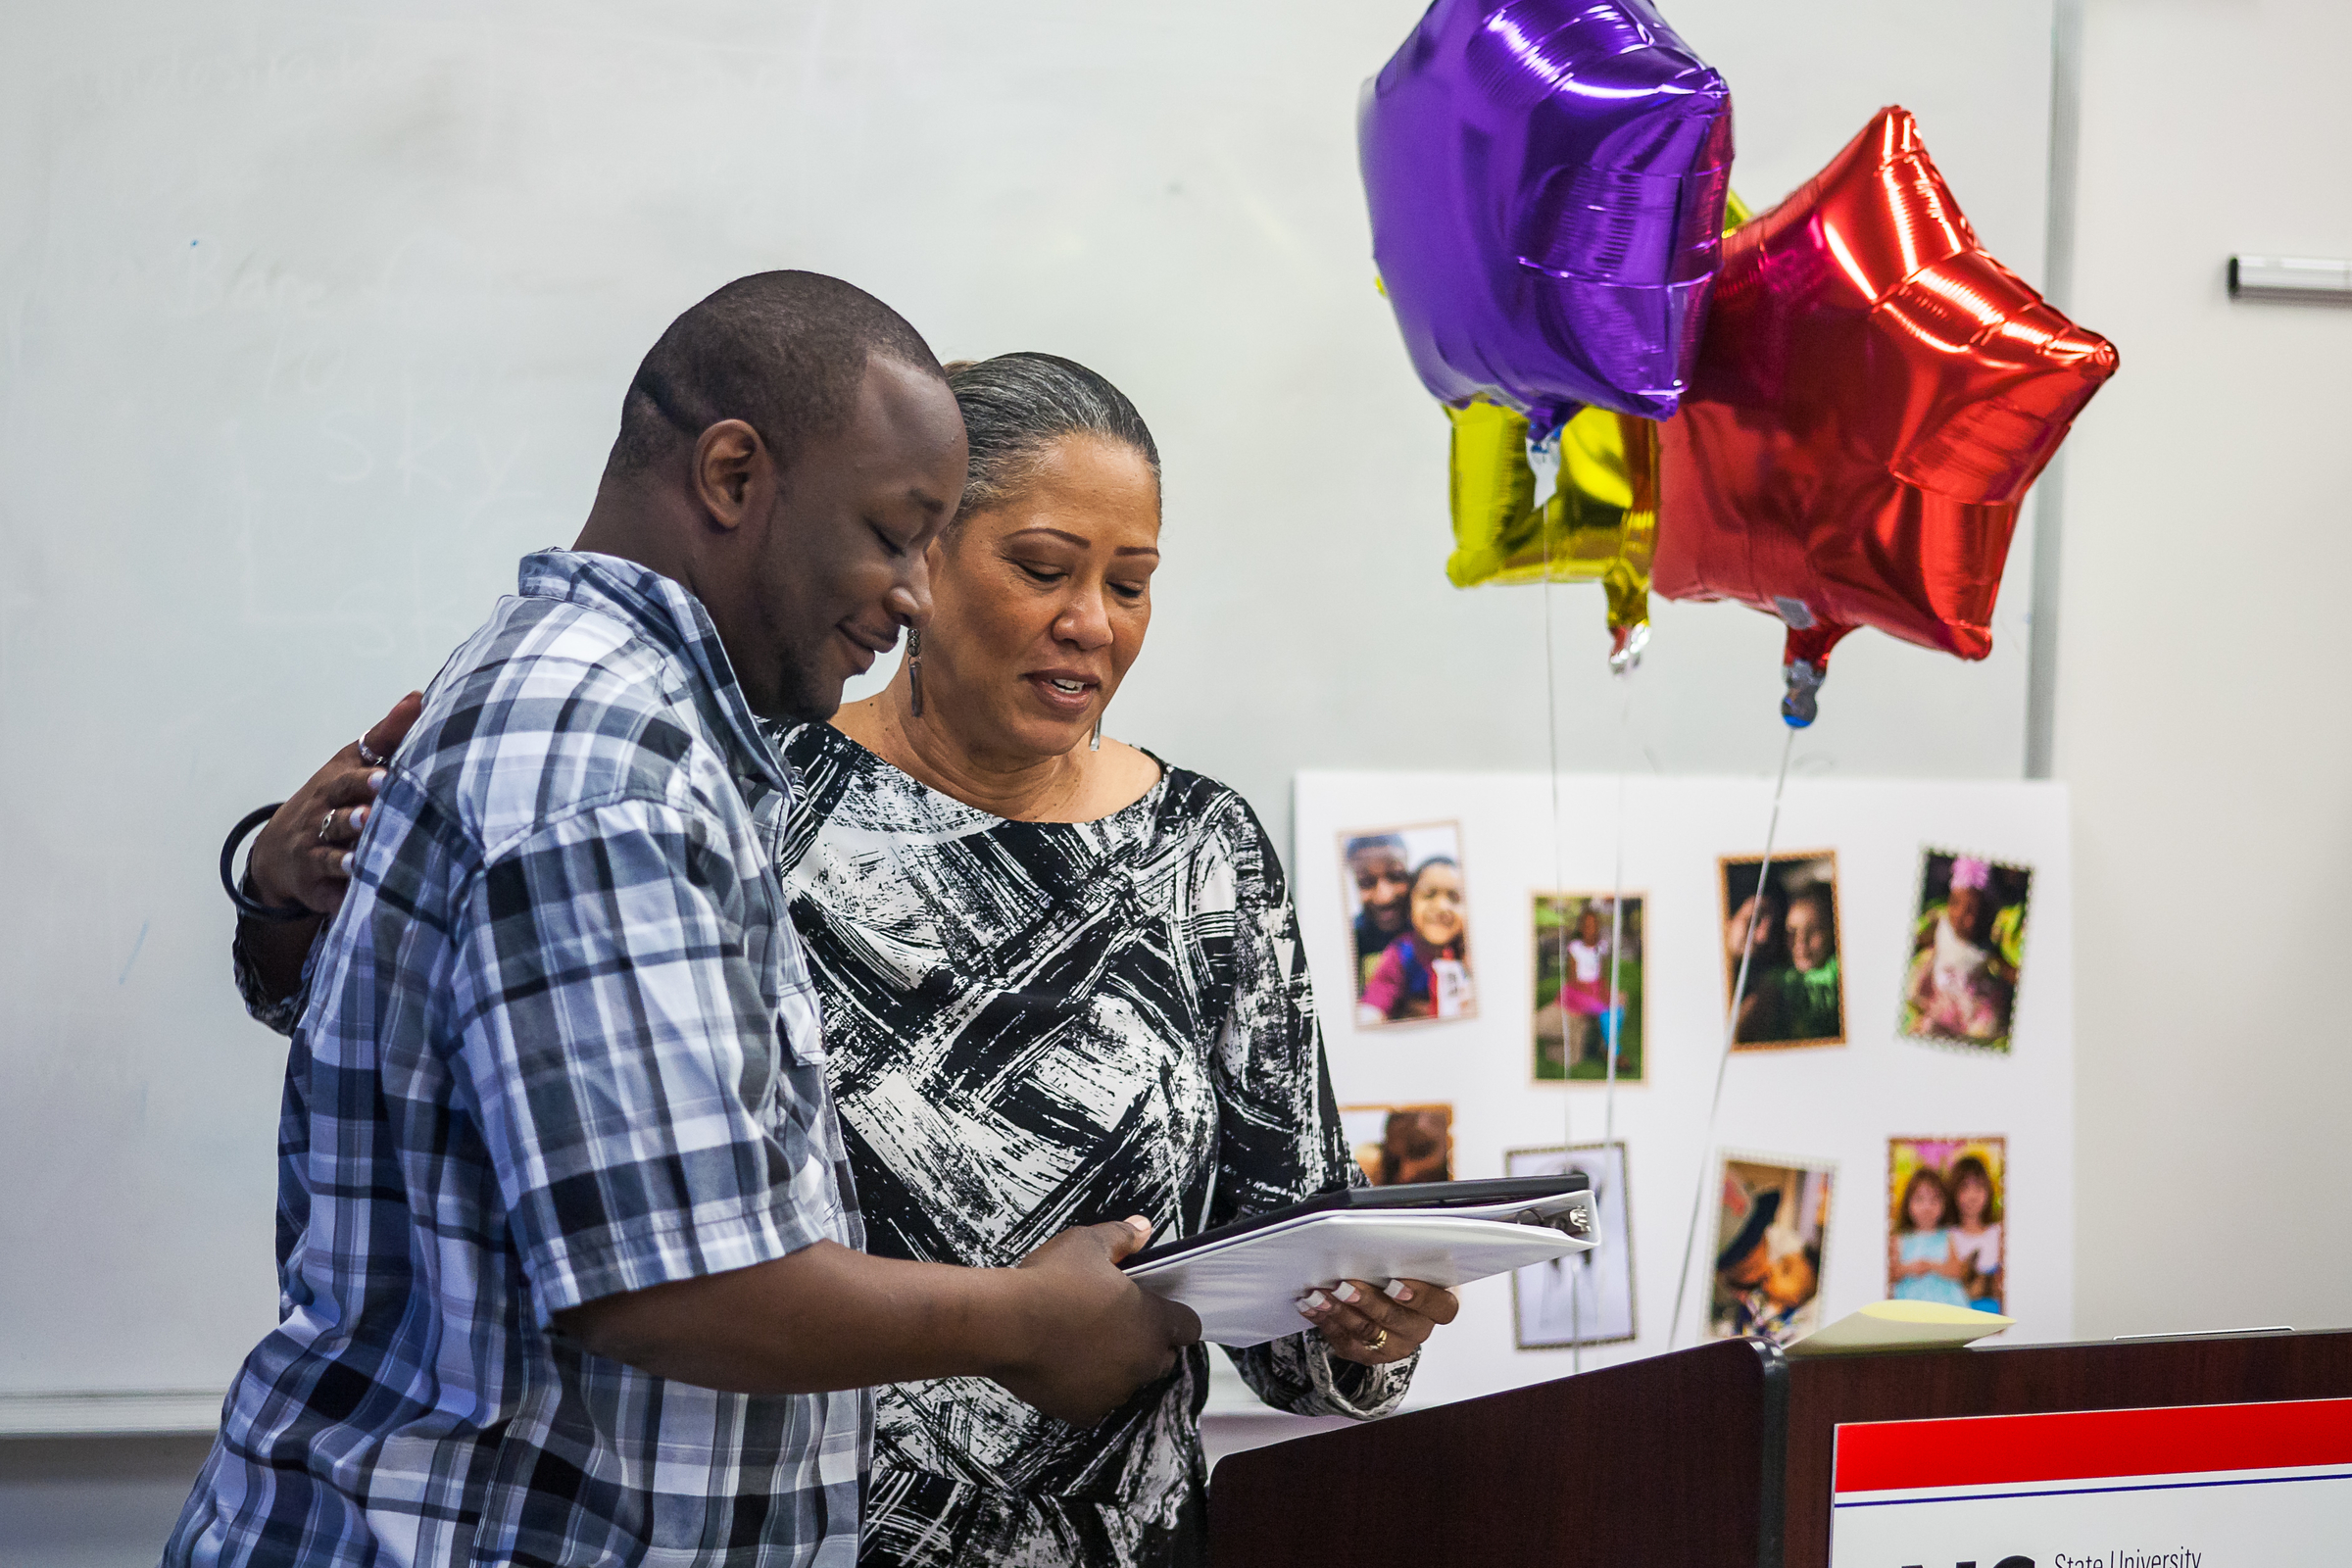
(1901, 1326)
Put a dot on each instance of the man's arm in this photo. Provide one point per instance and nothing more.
(668, 1176)
(1065, 1329)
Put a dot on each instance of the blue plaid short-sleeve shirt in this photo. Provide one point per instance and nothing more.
(560, 1042)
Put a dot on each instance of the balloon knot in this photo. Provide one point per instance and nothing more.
(1797, 709)
(1625, 647)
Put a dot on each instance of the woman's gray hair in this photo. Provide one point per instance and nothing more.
(1017, 406)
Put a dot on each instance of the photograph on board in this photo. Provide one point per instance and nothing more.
(1585, 1298)
(1772, 1220)
(1409, 923)
(1399, 1144)
(1795, 993)
(1578, 1016)
(1945, 1198)
(1968, 945)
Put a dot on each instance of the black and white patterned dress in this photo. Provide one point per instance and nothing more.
(1035, 1025)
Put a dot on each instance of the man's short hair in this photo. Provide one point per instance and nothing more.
(1371, 843)
(783, 352)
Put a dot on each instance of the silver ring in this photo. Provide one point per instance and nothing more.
(325, 824)
(369, 757)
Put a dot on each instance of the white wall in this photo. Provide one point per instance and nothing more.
(97, 1501)
(2200, 723)
(311, 320)
(2203, 660)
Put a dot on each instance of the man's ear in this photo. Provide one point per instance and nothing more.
(730, 464)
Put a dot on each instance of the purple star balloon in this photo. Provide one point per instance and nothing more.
(1546, 181)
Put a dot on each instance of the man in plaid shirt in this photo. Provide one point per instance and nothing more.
(567, 1245)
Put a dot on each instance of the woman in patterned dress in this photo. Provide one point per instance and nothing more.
(1057, 980)
(1063, 982)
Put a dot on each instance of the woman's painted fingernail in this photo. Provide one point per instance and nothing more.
(1398, 1290)
(1317, 1301)
(376, 781)
(358, 815)
(347, 860)
(1347, 1292)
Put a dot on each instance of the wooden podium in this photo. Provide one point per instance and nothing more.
(1704, 1458)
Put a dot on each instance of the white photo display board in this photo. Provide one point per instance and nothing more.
(1890, 903)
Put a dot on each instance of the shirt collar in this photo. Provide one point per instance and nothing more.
(673, 619)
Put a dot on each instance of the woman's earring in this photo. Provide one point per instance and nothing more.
(914, 668)
(1095, 744)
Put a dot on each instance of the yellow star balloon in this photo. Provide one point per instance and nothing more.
(1599, 525)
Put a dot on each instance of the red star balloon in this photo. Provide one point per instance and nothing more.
(1872, 399)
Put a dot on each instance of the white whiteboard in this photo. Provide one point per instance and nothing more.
(313, 320)
(1829, 1104)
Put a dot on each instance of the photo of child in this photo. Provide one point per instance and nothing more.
(1796, 995)
(1966, 944)
(1587, 1298)
(1409, 923)
(1772, 1219)
(1947, 1197)
(1578, 1020)
(1399, 1144)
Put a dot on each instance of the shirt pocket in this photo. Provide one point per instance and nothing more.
(785, 986)
(801, 1027)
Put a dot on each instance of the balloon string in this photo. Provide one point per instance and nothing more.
(1731, 1032)
(1616, 1004)
(1551, 730)
(1614, 1017)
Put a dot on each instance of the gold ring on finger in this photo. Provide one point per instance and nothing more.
(1377, 1340)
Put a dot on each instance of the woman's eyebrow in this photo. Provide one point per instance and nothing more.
(1057, 533)
(1081, 541)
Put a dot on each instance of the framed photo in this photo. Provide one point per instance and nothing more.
(1399, 1144)
(1587, 1299)
(1771, 1224)
(1946, 1198)
(1409, 923)
(1795, 993)
(1967, 950)
(1583, 943)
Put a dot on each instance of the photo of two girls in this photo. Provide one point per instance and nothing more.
(1947, 1197)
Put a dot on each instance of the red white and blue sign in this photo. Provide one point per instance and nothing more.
(2206, 1485)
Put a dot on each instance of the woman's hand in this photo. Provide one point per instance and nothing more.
(299, 855)
(1372, 1327)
